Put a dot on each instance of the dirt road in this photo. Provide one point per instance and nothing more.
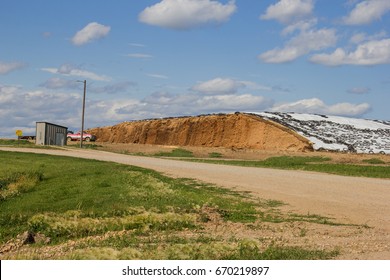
(347, 199)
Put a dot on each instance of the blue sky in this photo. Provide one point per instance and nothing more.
(161, 58)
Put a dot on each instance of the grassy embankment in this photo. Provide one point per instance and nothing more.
(85, 209)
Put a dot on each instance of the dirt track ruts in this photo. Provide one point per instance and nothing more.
(353, 200)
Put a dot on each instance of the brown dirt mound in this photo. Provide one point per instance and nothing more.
(241, 131)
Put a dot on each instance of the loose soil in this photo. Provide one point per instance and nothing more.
(360, 203)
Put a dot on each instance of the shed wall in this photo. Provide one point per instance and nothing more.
(50, 134)
(40, 134)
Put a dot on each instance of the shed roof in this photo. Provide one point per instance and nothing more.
(53, 124)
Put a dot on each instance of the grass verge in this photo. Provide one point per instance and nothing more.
(175, 153)
(318, 164)
(16, 143)
(71, 208)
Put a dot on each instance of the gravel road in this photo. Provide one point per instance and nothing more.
(347, 199)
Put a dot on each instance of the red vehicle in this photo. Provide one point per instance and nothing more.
(77, 136)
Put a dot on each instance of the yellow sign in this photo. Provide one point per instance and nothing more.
(19, 133)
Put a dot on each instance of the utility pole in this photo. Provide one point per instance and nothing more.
(82, 114)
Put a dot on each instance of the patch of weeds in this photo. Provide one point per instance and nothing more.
(215, 155)
(73, 226)
(196, 251)
(273, 218)
(309, 218)
(296, 253)
(141, 154)
(94, 253)
(91, 146)
(117, 242)
(291, 162)
(302, 232)
(204, 218)
(317, 219)
(271, 203)
(15, 183)
(249, 250)
(104, 184)
(11, 225)
(374, 161)
(247, 215)
(175, 153)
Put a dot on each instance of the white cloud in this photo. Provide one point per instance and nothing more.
(302, 25)
(317, 106)
(218, 86)
(358, 38)
(235, 102)
(109, 112)
(64, 108)
(186, 14)
(6, 93)
(165, 98)
(363, 37)
(287, 11)
(89, 33)
(7, 67)
(359, 90)
(369, 53)
(225, 86)
(164, 104)
(119, 87)
(157, 76)
(139, 55)
(367, 11)
(297, 15)
(302, 44)
(22, 108)
(194, 104)
(69, 70)
(348, 109)
(58, 83)
(137, 45)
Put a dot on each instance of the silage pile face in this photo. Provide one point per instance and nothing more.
(240, 131)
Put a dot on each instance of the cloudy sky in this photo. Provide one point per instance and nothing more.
(159, 58)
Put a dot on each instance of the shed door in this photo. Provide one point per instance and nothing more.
(60, 139)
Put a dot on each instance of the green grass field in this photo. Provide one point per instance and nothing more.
(87, 209)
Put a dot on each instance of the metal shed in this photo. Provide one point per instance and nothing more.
(50, 134)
